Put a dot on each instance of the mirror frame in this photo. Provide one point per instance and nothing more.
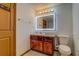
(54, 23)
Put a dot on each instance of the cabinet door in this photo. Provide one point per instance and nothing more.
(40, 43)
(36, 43)
(40, 46)
(33, 42)
(48, 46)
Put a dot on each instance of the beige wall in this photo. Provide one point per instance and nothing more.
(76, 28)
(24, 27)
(65, 22)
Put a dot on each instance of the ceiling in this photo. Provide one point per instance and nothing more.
(38, 5)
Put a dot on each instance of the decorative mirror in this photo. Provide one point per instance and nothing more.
(46, 22)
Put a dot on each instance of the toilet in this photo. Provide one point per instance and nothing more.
(64, 50)
(63, 47)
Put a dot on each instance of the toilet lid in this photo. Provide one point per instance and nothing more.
(64, 48)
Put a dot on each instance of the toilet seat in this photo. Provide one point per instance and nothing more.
(64, 50)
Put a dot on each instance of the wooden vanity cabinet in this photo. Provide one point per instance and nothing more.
(42, 44)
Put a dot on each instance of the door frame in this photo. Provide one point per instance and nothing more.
(14, 30)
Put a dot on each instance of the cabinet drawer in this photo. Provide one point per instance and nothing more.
(33, 37)
(40, 38)
(47, 39)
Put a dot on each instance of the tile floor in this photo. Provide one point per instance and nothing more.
(34, 53)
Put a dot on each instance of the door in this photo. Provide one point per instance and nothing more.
(7, 29)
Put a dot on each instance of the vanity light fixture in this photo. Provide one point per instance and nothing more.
(46, 10)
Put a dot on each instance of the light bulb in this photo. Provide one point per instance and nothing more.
(52, 10)
(40, 12)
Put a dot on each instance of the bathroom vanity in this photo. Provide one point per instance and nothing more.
(42, 43)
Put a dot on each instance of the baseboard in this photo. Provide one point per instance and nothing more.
(25, 52)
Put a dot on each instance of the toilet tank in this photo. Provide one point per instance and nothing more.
(64, 39)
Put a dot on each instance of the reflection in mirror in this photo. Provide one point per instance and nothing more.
(46, 22)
